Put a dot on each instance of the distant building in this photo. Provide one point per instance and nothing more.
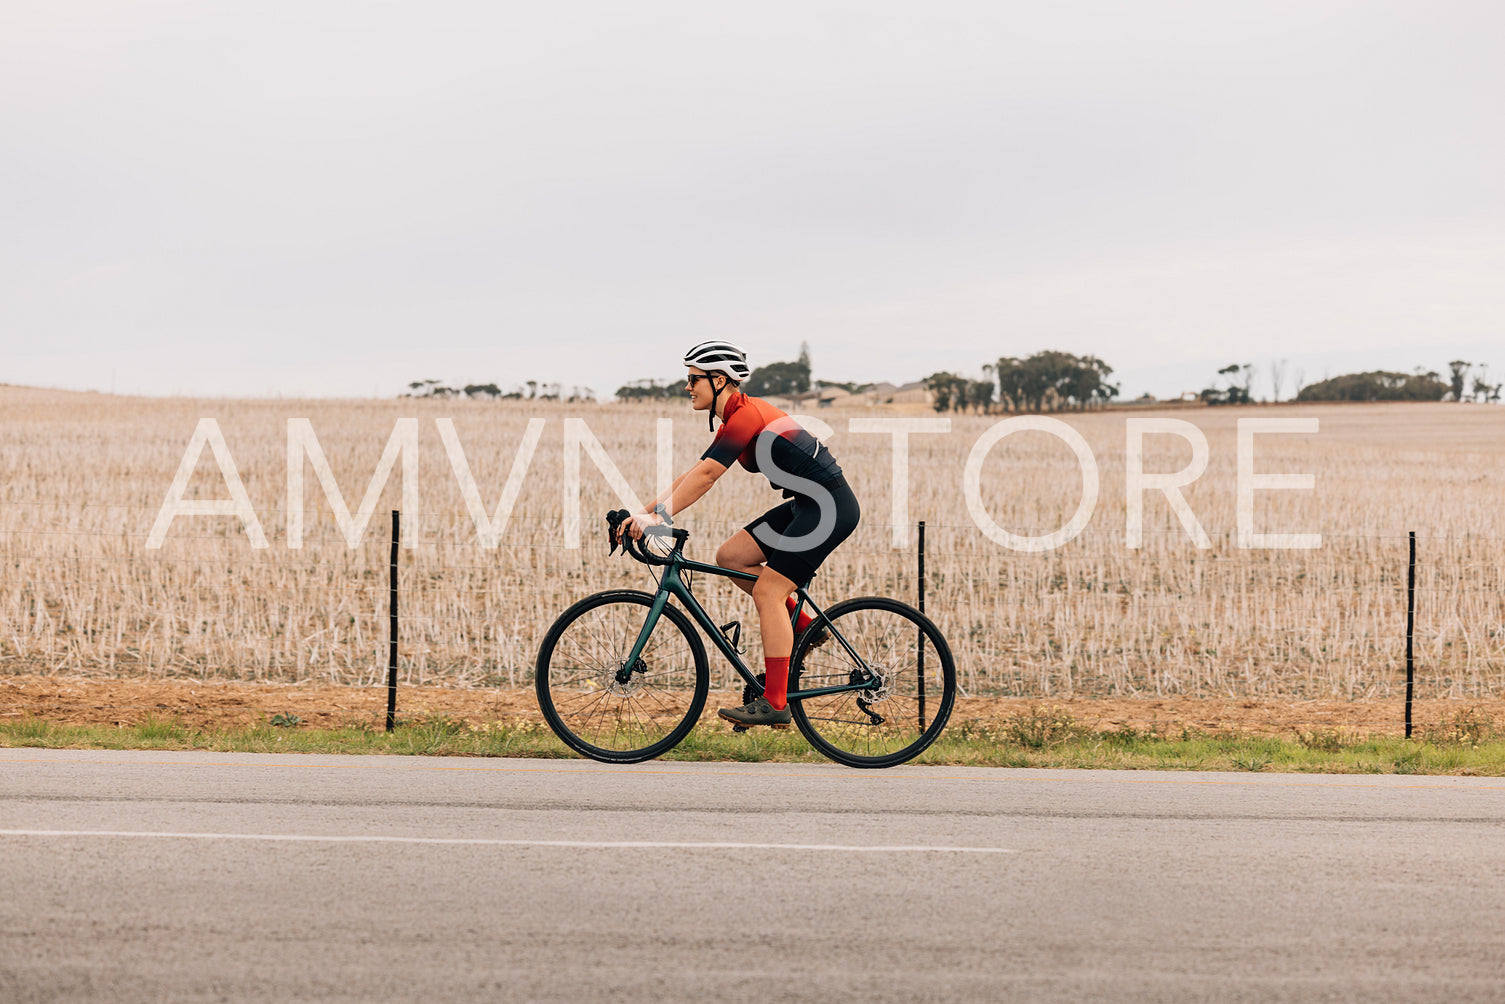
(913, 392)
(827, 397)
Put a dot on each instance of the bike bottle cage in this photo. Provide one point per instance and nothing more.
(732, 632)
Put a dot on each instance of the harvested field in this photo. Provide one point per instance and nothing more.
(76, 701)
(83, 594)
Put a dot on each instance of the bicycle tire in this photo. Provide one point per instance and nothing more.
(895, 720)
(578, 693)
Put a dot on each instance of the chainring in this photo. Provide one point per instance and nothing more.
(748, 694)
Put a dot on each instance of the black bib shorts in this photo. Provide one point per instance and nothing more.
(790, 536)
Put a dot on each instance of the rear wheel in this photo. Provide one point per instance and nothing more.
(906, 661)
(602, 707)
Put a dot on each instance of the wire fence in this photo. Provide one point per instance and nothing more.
(80, 593)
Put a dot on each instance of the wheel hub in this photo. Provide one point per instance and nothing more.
(878, 686)
(627, 680)
(882, 685)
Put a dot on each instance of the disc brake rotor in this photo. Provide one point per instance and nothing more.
(882, 688)
(879, 689)
(634, 681)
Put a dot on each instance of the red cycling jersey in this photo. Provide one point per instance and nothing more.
(793, 452)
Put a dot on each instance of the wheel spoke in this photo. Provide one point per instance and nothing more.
(596, 713)
(884, 634)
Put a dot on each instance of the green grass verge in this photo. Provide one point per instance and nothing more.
(1468, 744)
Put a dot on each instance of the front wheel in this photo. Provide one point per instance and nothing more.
(905, 659)
(601, 706)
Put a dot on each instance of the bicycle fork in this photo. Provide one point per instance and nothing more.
(634, 661)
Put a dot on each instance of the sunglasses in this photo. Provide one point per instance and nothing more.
(694, 378)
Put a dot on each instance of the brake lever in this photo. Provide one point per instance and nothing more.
(614, 521)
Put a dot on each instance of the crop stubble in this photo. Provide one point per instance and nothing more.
(85, 475)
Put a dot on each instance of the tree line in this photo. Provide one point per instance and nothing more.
(536, 390)
(780, 379)
(1423, 384)
(1045, 381)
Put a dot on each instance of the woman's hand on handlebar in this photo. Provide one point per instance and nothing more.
(640, 522)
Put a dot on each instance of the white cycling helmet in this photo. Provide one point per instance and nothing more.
(719, 357)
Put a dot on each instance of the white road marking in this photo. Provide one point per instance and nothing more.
(485, 842)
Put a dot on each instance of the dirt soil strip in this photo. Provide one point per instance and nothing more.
(89, 701)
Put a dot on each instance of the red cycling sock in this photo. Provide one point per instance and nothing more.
(776, 681)
(804, 621)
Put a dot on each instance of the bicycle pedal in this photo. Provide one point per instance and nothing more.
(740, 728)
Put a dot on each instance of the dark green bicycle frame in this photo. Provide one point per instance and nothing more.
(671, 584)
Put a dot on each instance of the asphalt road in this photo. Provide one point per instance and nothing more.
(165, 876)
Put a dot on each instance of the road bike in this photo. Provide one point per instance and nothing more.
(622, 675)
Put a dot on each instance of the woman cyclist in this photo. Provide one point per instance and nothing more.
(784, 546)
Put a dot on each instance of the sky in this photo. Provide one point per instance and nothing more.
(329, 199)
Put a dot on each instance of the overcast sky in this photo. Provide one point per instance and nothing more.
(317, 198)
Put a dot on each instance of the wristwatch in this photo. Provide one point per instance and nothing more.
(663, 514)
